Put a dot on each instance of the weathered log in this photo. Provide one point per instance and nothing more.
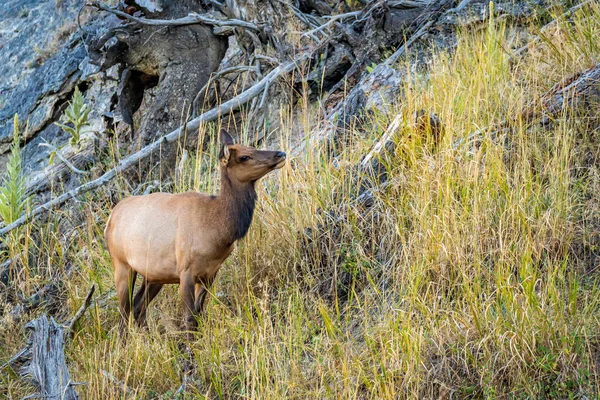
(47, 367)
(43, 359)
(574, 92)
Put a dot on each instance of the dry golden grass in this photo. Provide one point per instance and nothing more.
(472, 275)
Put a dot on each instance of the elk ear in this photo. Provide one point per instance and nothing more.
(226, 141)
(226, 138)
(225, 153)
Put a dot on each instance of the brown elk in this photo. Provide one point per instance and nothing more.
(184, 238)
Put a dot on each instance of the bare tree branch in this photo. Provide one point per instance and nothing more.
(353, 14)
(217, 75)
(191, 19)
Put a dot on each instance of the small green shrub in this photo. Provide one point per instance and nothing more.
(76, 114)
(13, 199)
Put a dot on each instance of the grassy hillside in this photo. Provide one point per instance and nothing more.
(474, 274)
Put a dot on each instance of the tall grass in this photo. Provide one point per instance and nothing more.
(470, 276)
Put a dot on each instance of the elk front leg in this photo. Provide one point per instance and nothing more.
(187, 290)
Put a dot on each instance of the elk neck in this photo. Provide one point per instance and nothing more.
(238, 201)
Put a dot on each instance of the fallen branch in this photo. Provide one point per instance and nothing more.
(191, 19)
(193, 125)
(382, 143)
(568, 14)
(573, 91)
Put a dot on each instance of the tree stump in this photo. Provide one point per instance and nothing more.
(47, 367)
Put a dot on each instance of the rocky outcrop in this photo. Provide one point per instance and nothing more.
(44, 56)
(38, 64)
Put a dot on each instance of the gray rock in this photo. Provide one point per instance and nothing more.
(34, 66)
(35, 99)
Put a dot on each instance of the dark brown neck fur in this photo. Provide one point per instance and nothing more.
(239, 200)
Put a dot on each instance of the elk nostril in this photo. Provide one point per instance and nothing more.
(280, 154)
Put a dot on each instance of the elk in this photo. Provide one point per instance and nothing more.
(184, 238)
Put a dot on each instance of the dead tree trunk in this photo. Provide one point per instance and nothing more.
(47, 367)
(43, 359)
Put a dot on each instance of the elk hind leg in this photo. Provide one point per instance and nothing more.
(144, 296)
(124, 282)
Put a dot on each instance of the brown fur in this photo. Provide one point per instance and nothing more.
(184, 238)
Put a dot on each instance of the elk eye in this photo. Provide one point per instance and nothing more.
(244, 158)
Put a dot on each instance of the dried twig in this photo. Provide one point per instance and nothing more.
(181, 391)
(63, 159)
(116, 382)
(410, 4)
(308, 19)
(460, 6)
(84, 306)
(332, 19)
(272, 60)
